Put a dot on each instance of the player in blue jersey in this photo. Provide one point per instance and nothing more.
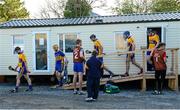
(59, 64)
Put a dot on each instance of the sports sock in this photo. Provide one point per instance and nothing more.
(60, 82)
(30, 86)
(16, 88)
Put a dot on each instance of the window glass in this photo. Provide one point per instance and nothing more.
(120, 43)
(70, 42)
(18, 41)
(61, 42)
(41, 51)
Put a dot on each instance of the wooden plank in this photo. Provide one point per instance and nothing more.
(168, 76)
(171, 84)
(116, 79)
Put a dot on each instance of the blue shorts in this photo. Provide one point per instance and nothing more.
(58, 67)
(22, 70)
(148, 53)
(78, 67)
(100, 59)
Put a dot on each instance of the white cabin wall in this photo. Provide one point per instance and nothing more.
(105, 33)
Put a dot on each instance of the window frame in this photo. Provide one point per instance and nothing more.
(15, 45)
(64, 38)
(34, 52)
(115, 33)
(163, 31)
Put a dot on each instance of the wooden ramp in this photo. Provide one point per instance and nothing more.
(172, 77)
(117, 79)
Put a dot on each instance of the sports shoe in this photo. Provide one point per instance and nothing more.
(125, 75)
(81, 93)
(110, 76)
(141, 71)
(28, 90)
(14, 91)
(155, 92)
(75, 92)
(89, 99)
(160, 93)
(94, 99)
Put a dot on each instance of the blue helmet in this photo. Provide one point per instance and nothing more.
(126, 33)
(92, 36)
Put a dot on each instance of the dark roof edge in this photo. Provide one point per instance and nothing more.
(89, 24)
(134, 14)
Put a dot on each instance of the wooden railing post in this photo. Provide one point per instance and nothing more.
(143, 82)
(172, 61)
(176, 70)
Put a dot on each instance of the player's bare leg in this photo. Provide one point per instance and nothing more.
(109, 71)
(80, 83)
(137, 65)
(18, 81)
(74, 82)
(59, 78)
(26, 76)
(127, 66)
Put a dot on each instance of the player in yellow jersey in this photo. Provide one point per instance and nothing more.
(131, 56)
(99, 48)
(153, 39)
(22, 69)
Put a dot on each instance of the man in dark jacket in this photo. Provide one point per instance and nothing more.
(94, 72)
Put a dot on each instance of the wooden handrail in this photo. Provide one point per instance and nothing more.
(138, 50)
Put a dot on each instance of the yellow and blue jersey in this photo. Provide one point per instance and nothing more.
(22, 60)
(22, 63)
(98, 47)
(130, 42)
(59, 58)
(153, 40)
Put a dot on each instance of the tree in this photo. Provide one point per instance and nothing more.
(77, 8)
(165, 5)
(56, 8)
(132, 6)
(145, 6)
(10, 9)
(53, 8)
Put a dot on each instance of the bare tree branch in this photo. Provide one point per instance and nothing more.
(55, 8)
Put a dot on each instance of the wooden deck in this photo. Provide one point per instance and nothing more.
(172, 77)
(118, 79)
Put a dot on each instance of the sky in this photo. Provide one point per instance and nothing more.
(33, 6)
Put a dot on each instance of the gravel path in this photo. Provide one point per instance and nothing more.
(45, 97)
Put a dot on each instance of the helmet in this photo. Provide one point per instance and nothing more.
(149, 30)
(126, 34)
(17, 49)
(92, 36)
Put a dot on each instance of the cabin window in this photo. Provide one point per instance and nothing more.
(120, 43)
(61, 42)
(67, 42)
(41, 55)
(18, 41)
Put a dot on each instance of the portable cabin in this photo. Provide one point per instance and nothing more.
(37, 36)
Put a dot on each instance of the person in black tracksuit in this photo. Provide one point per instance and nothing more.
(94, 73)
